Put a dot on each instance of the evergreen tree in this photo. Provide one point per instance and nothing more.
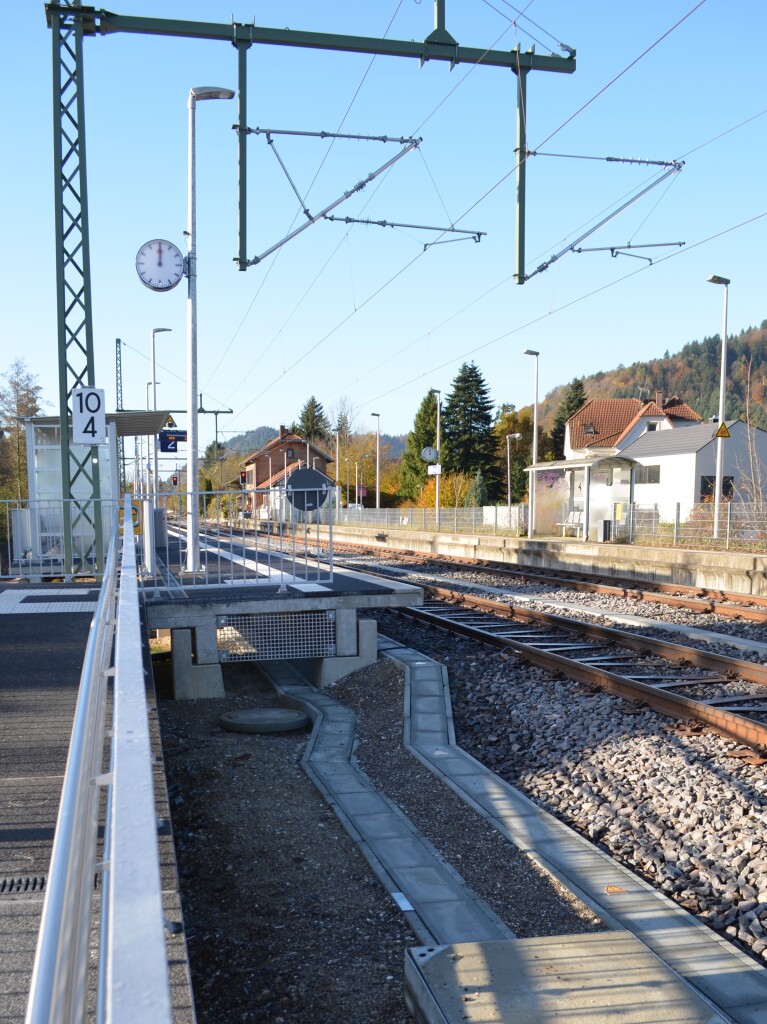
(575, 399)
(476, 496)
(20, 397)
(413, 469)
(313, 425)
(469, 442)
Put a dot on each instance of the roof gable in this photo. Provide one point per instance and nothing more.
(601, 421)
(604, 422)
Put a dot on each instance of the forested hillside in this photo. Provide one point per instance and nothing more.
(693, 374)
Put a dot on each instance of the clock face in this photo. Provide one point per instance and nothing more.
(160, 265)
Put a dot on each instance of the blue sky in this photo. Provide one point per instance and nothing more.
(363, 314)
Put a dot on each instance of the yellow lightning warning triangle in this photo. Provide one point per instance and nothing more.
(722, 431)
(170, 423)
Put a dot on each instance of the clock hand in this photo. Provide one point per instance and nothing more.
(159, 255)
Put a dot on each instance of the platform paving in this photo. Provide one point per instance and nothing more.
(43, 635)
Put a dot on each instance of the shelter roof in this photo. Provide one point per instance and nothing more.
(128, 422)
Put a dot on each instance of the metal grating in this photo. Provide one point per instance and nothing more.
(26, 886)
(277, 637)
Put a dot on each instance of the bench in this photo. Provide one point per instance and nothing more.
(573, 521)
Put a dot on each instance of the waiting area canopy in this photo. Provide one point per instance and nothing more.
(585, 464)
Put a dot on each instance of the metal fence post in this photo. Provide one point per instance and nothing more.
(676, 524)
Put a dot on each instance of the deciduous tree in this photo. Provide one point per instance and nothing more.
(19, 398)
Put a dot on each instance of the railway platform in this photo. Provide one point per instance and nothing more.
(655, 963)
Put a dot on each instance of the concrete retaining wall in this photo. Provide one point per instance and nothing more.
(725, 570)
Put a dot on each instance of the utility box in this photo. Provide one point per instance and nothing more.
(606, 530)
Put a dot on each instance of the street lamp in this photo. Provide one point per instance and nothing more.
(531, 484)
(378, 458)
(155, 330)
(509, 438)
(439, 456)
(715, 279)
(203, 92)
(362, 477)
(346, 460)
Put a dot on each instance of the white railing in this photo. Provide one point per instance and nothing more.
(253, 536)
(54, 537)
(132, 960)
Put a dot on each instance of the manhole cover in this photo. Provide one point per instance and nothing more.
(265, 720)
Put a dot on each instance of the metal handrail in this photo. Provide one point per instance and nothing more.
(58, 992)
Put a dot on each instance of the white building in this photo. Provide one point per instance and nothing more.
(658, 454)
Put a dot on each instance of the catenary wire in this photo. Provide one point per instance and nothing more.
(480, 199)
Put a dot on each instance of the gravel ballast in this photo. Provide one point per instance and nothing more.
(286, 922)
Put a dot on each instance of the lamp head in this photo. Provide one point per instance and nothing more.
(513, 437)
(530, 352)
(716, 279)
(160, 330)
(209, 92)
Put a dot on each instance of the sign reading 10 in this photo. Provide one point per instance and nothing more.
(88, 416)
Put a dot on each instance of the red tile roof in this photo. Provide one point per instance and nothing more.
(603, 422)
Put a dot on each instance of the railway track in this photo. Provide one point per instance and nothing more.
(726, 694)
(727, 604)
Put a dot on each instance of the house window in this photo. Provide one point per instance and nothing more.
(708, 488)
(290, 453)
(652, 426)
(647, 475)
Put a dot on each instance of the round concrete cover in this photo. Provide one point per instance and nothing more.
(264, 720)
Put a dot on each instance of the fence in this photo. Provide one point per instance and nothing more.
(742, 526)
(268, 536)
(259, 536)
(492, 519)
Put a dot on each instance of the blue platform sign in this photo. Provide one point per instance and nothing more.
(170, 440)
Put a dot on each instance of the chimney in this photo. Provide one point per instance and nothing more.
(283, 431)
(659, 399)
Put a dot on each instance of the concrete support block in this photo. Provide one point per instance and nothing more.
(324, 671)
(206, 642)
(190, 681)
(346, 632)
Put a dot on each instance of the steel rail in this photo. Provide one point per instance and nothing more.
(728, 724)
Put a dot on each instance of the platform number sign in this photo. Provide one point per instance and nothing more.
(89, 425)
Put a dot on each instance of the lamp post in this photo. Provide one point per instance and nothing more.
(146, 465)
(509, 439)
(438, 395)
(155, 330)
(362, 477)
(356, 485)
(715, 279)
(531, 485)
(378, 458)
(203, 92)
(346, 460)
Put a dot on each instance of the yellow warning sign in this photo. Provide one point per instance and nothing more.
(170, 423)
(722, 431)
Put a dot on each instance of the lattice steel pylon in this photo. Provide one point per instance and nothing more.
(80, 485)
